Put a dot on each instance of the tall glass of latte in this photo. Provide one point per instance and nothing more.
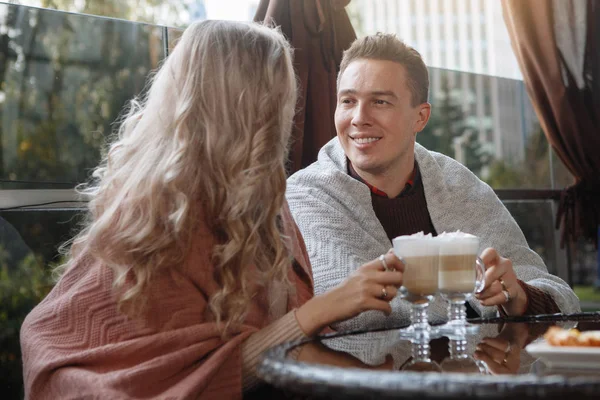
(420, 255)
(461, 274)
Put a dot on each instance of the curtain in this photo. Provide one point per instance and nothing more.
(556, 43)
(319, 31)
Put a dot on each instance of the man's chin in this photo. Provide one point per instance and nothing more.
(369, 167)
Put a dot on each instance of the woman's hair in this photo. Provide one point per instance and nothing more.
(208, 145)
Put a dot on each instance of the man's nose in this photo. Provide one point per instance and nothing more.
(361, 115)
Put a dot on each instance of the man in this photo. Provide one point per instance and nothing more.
(373, 183)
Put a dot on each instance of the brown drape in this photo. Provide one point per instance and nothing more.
(557, 46)
(319, 31)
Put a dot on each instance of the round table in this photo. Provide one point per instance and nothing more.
(493, 363)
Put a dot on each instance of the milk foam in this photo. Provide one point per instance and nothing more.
(454, 243)
(416, 245)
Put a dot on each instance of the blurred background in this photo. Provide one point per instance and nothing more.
(67, 68)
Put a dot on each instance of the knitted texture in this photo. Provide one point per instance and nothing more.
(76, 344)
(538, 301)
(285, 329)
(342, 232)
(403, 215)
(408, 214)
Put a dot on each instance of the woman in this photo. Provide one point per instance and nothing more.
(191, 265)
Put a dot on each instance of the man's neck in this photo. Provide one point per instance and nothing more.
(393, 180)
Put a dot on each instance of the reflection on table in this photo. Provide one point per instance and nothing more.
(495, 349)
(381, 363)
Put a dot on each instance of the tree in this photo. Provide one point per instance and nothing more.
(448, 128)
(531, 172)
(5, 54)
(69, 81)
(164, 12)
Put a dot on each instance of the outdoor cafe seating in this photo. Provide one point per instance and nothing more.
(65, 77)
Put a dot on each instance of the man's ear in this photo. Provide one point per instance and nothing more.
(422, 116)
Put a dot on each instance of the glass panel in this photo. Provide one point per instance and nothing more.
(65, 79)
(28, 248)
(489, 125)
(165, 12)
(536, 220)
(174, 35)
(461, 35)
(585, 261)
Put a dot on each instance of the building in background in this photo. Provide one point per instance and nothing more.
(252, 7)
(237, 10)
(464, 42)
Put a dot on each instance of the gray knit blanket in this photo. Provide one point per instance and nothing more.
(342, 232)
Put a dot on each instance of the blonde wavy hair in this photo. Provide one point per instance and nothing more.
(207, 143)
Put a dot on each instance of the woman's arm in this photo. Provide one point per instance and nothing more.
(363, 290)
(285, 329)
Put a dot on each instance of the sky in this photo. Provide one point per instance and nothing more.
(240, 10)
(229, 9)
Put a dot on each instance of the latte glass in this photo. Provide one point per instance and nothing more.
(420, 256)
(421, 360)
(461, 274)
(460, 360)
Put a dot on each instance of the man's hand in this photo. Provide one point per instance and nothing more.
(501, 286)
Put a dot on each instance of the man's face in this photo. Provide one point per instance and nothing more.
(375, 121)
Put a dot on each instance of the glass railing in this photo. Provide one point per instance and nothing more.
(488, 124)
(65, 79)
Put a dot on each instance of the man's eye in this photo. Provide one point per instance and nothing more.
(381, 102)
(346, 101)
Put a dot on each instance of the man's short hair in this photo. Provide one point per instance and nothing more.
(387, 47)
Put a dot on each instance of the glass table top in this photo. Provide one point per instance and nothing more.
(504, 357)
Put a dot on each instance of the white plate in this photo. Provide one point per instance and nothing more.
(566, 356)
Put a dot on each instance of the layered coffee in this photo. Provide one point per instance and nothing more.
(458, 263)
(421, 275)
(457, 273)
(420, 254)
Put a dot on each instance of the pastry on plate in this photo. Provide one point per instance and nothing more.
(556, 336)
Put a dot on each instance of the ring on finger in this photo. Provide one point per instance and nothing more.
(506, 295)
(384, 293)
(383, 262)
(503, 284)
(504, 362)
(508, 348)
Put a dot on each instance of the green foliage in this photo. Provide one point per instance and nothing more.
(588, 294)
(503, 175)
(447, 125)
(169, 12)
(63, 100)
(26, 277)
(532, 172)
(21, 289)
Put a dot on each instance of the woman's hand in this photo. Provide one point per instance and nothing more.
(370, 287)
(501, 286)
